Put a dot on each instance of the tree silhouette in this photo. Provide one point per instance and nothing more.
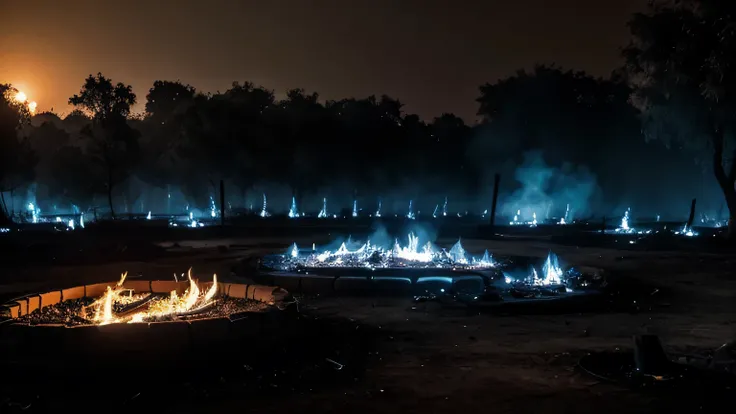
(17, 159)
(680, 64)
(111, 140)
(77, 177)
(166, 100)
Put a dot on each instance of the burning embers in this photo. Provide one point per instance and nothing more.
(517, 221)
(142, 302)
(551, 274)
(150, 308)
(369, 255)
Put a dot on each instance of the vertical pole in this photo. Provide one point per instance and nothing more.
(603, 225)
(692, 215)
(496, 182)
(222, 203)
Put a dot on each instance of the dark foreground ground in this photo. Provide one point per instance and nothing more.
(391, 355)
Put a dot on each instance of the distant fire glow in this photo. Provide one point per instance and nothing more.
(518, 221)
(293, 212)
(624, 227)
(21, 97)
(566, 219)
(687, 231)
(323, 212)
(264, 210)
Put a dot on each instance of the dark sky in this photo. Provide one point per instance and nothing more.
(432, 55)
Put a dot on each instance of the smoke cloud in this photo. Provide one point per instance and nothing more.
(547, 190)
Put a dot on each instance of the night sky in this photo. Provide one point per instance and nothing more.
(432, 55)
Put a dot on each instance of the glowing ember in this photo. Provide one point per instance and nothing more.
(372, 256)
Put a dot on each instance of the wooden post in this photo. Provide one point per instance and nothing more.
(222, 203)
(496, 182)
(692, 216)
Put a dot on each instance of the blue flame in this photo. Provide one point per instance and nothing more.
(213, 209)
(323, 212)
(293, 213)
(410, 215)
(264, 210)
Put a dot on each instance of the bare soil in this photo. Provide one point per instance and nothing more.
(391, 355)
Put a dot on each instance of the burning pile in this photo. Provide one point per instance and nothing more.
(551, 280)
(372, 256)
(551, 274)
(151, 308)
(120, 304)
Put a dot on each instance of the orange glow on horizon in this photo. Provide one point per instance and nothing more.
(21, 97)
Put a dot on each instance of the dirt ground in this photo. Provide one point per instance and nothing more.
(438, 358)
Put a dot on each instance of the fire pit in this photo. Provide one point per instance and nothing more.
(427, 270)
(161, 317)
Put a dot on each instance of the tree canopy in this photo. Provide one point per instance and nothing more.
(680, 66)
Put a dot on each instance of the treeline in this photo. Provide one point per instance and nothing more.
(677, 76)
(245, 136)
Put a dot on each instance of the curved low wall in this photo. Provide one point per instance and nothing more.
(138, 342)
(24, 305)
(401, 282)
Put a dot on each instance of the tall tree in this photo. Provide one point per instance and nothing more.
(167, 99)
(17, 159)
(111, 140)
(680, 64)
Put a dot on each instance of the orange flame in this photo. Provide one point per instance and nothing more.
(191, 300)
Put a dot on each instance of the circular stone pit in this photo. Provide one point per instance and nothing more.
(244, 312)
